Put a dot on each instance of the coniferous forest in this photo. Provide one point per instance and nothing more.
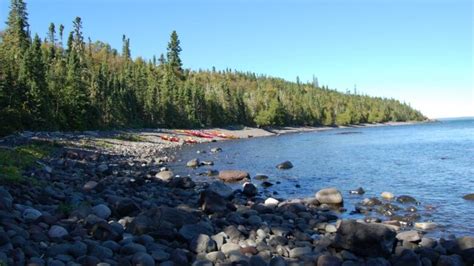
(64, 81)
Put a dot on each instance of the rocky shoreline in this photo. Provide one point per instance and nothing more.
(98, 200)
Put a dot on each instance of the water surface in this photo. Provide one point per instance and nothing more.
(434, 162)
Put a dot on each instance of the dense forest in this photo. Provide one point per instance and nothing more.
(64, 82)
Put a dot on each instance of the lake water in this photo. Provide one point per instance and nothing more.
(433, 162)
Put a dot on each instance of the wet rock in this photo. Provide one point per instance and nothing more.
(261, 177)
(233, 175)
(57, 231)
(249, 189)
(142, 259)
(285, 165)
(329, 196)
(466, 242)
(328, 260)
(193, 163)
(371, 202)
(410, 236)
(31, 215)
(425, 225)
(469, 196)
(257, 261)
(207, 163)
(266, 184)
(216, 150)
(102, 168)
(359, 191)
(387, 195)
(406, 199)
(363, 239)
(102, 211)
(180, 256)
(221, 189)
(165, 175)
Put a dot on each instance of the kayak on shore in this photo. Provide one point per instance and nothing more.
(170, 138)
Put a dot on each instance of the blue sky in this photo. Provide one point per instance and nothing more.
(418, 51)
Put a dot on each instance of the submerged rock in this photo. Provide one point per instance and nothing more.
(469, 196)
(329, 196)
(425, 225)
(406, 199)
(285, 165)
(359, 191)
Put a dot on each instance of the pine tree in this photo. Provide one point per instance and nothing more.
(174, 49)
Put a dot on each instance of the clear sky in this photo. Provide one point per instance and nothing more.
(418, 51)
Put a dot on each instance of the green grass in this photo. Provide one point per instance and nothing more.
(14, 161)
(130, 137)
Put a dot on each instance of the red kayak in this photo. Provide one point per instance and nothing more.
(198, 134)
(170, 138)
(190, 141)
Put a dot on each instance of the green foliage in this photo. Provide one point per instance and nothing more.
(45, 86)
(14, 161)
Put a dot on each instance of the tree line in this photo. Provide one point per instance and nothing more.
(69, 83)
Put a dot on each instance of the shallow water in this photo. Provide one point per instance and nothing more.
(433, 162)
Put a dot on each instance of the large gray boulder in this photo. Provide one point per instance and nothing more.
(363, 239)
(233, 175)
(329, 196)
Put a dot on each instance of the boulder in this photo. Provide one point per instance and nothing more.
(358, 191)
(285, 165)
(191, 231)
(249, 189)
(102, 211)
(161, 221)
(271, 202)
(425, 225)
(57, 231)
(299, 252)
(387, 195)
(216, 150)
(211, 202)
(193, 163)
(165, 175)
(370, 240)
(328, 260)
(410, 236)
(143, 259)
(329, 196)
(261, 177)
(90, 185)
(31, 215)
(406, 199)
(233, 175)
(221, 189)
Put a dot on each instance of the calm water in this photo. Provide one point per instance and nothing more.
(433, 162)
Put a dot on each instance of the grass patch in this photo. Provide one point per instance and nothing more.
(14, 161)
(130, 137)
